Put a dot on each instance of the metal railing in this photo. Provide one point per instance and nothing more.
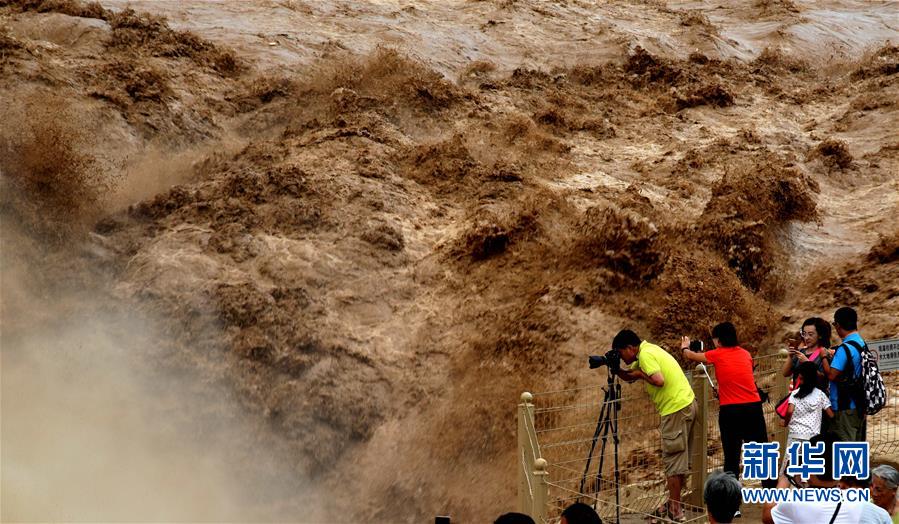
(556, 428)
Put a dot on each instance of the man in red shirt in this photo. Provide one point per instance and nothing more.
(740, 417)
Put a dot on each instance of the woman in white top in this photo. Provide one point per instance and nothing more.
(824, 511)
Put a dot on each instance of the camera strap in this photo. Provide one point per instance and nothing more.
(836, 512)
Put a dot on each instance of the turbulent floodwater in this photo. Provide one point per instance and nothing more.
(273, 260)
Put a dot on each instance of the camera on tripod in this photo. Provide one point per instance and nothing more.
(606, 427)
(612, 358)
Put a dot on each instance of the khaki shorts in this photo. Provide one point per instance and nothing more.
(677, 439)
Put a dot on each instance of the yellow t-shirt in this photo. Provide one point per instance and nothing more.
(676, 393)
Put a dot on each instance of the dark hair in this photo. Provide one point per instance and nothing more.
(722, 495)
(625, 338)
(828, 438)
(726, 334)
(580, 513)
(855, 482)
(823, 329)
(513, 518)
(809, 372)
(847, 318)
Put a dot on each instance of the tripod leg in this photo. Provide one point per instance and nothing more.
(614, 424)
(602, 415)
(606, 425)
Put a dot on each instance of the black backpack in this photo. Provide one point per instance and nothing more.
(866, 389)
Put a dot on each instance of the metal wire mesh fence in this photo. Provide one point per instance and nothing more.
(883, 428)
(564, 423)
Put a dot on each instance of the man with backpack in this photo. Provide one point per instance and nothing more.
(846, 375)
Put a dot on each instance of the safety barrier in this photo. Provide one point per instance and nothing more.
(556, 428)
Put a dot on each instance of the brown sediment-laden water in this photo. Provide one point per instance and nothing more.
(273, 260)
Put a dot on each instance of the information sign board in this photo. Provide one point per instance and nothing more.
(888, 352)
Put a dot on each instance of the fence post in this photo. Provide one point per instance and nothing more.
(525, 453)
(541, 491)
(778, 391)
(699, 463)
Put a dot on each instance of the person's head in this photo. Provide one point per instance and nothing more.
(513, 518)
(628, 344)
(850, 481)
(816, 332)
(724, 335)
(580, 513)
(722, 496)
(808, 372)
(884, 481)
(845, 321)
(824, 480)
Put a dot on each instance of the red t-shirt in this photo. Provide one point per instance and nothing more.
(733, 369)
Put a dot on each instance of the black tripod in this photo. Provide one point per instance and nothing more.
(608, 421)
